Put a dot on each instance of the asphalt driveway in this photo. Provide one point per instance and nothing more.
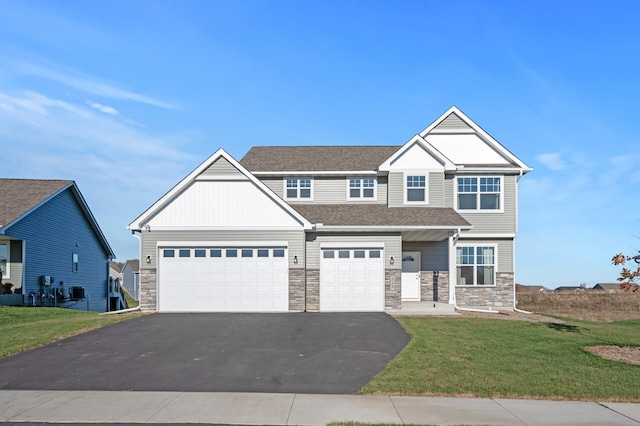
(295, 352)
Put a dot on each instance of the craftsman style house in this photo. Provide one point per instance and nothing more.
(338, 228)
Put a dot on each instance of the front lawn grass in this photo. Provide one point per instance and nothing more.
(511, 359)
(23, 328)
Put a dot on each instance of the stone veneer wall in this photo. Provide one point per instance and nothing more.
(500, 296)
(392, 284)
(148, 290)
(313, 290)
(296, 289)
(426, 286)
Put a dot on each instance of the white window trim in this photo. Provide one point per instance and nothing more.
(7, 273)
(284, 188)
(478, 209)
(424, 173)
(362, 198)
(475, 265)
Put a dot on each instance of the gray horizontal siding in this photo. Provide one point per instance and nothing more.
(435, 188)
(328, 190)
(221, 167)
(452, 122)
(392, 246)
(505, 251)
(484, 223)
(396, 188)
(149, 241)
(434, 255)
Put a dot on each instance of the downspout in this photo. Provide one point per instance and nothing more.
(515, 308)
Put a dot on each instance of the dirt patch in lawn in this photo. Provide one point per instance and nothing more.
(511, 315)
(628, 354)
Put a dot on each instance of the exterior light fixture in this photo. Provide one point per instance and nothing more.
(391, 260)
(147, 227)
(295, 259)
(148, 259)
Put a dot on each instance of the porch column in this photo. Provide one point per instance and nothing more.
(452, 269)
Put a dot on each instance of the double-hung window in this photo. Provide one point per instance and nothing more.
(298, 188)
(476, 265)
(479, 193)
(416, 187)
(362, 188)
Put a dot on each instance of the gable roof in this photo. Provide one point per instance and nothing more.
(455, 121)
(316, 158)
(419, 140)
(167, 198)
(134, 264)
(20, 197)
(379, 215)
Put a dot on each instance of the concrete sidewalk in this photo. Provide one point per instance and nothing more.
(299, 409)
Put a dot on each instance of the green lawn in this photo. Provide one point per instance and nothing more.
(497, 358)
(26, 328)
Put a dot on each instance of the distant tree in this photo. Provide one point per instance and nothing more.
(628, 278)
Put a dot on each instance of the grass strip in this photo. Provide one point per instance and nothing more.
(511, 359)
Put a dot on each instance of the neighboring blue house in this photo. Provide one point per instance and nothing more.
(52, 251)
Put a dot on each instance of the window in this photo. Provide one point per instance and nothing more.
(200, 253)
(374, 254)
(476, 265)
(278, 253)
(416, 189)
(232, 253)
(4, 259)
(358, 254)
(184, 253)
(298, 188)
(215, 253)
(75, 263)
(328, 254)
(479, 193)
(263, 253)
(343, 254)
(362, 188)
(247, 253)
(169, 253)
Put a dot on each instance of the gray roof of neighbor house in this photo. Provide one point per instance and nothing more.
(134, 264)
(19, 196)
(316, 158)
(380, 215)
(608, 286)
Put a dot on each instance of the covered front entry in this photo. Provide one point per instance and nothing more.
(352, 279)
(223, 279)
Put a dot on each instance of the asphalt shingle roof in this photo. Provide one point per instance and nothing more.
(316, 158)
(18, 196)
(379, 215)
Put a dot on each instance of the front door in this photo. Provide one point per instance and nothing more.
(410, 275)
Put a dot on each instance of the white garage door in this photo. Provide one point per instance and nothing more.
(352, 280)
(223, 279)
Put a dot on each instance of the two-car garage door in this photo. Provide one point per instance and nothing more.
(223, 279)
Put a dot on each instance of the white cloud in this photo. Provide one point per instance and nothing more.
(104, 108)
(87, 84)
(552, 161)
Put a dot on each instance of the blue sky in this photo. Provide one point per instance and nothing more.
(127, 97)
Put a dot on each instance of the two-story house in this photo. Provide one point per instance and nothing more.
(338, 228)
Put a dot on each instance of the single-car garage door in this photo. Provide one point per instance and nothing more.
(352, 280)
(223, 279)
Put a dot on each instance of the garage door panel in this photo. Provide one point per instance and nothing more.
(225, 279)
(352, 280)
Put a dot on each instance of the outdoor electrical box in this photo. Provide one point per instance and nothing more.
(47, 280)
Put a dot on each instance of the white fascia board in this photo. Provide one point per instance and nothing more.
(324, 228)
(484, 135)
(223, 228)
(138, 224)
(418, 139)
(319, 173)
(472, 236)
(493, 170)
(233, 243)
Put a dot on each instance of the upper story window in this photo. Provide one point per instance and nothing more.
(298, 188)
(416, 189)
(75, 262)
(479, 193)
(362, 188)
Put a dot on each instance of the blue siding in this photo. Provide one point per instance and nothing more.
(51, 235)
